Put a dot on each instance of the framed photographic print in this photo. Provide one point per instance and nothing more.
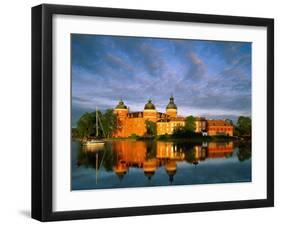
(145, 112)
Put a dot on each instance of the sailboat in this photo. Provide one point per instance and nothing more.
(95, 143)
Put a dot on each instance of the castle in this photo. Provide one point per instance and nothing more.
(134, 123)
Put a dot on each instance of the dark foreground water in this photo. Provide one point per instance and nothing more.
(127, 163)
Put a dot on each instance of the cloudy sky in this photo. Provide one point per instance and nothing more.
(206, 78)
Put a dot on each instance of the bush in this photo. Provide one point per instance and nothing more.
(163, 137)
(182, 132)
(134, 136)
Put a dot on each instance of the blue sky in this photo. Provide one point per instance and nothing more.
(206, 78)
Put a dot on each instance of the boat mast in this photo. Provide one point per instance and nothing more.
(97, 130)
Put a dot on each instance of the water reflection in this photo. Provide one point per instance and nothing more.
(148, 156)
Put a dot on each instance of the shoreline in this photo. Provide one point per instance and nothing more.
(169, 138)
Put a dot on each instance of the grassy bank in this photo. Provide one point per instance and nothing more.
(197, 138)
(173, 138)
(190, 138)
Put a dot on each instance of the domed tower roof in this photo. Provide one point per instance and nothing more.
(149, 105)
(121, 105)
(171, 104)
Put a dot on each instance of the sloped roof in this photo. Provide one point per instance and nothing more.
(218, 123)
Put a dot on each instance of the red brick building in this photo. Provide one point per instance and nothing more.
(219, 127)
(133, 123)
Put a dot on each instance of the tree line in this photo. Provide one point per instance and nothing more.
(87, 124)
(243, 127)
(107, 124)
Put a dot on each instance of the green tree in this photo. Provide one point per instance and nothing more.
(74, 133)
(236, 131)
(190, 123)
(244, 125)
(108, 122)
(183, 132)
(150, 127)
(86, 125)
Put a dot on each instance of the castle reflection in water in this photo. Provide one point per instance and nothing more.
(120, 156)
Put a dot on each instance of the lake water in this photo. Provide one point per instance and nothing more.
(127, 163)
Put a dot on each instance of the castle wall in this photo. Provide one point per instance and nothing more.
(150, 115)
(172, 112)
(200, 125)
(220, 130)
(134, 123)
(135, 126)
(168, 127)
(129, 126)
(121, 119)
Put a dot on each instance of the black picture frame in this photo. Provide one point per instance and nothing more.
(42, 107)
